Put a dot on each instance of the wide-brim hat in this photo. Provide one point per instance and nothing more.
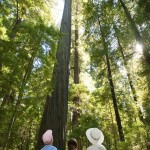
(96, 147)
(95, 136)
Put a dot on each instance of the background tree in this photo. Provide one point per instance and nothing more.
(30, 74)
(24, 63)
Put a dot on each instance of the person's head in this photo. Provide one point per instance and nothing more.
(48, 137)
(95, 136)
(72, 144)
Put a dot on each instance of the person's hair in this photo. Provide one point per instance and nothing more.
(72, 144)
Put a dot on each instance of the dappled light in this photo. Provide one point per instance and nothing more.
(139, 48)
(67, 66)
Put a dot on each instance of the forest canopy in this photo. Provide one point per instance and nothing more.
(73, 65)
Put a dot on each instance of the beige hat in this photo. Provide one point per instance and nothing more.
(96, 147)
(95, 136)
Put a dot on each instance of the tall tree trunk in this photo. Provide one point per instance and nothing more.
(118, 120)
(125, 65)
(1, 64)
(56, 106)
(113, 126)
(145, 48)
(16, 23)
(128, 75)
(117, 115)
(137, 33)
(76, 53)
(76, 99)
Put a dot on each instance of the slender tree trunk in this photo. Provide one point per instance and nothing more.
(125, 64)
(76, 99)
(16, 24)
(1, 64)
(76, 53)
(56, 106)
(114, 131)
(9, 97)
(118, 120)
(137, 33)
(128, 75)
(148, 140)
(27, 145)
(16, 108)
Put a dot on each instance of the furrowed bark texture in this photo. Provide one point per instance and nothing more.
(56, 107)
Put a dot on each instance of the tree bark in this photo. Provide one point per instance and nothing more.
(76, 99)
(118, 120)
(76, 53)
(117, 115)
(56, 106)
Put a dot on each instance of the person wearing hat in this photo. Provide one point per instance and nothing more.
(96, 137)
(48, 141)
(72, 144)
(96, 147)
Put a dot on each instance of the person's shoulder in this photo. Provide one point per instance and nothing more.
(53, 148)
(49, 147)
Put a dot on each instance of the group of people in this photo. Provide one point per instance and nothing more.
(94, 135)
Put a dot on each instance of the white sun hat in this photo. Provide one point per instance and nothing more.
(96, 147)
(95, 136)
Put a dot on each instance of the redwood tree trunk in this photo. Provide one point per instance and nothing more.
(117, 115)
(125, 65)
(76, 99)
(118, 120)
(76, 53)
(56, 107)
(128, 75)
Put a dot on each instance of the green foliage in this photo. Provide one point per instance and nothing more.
(77, 90)
(144, 9)
(108, 14)
(28, 42)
